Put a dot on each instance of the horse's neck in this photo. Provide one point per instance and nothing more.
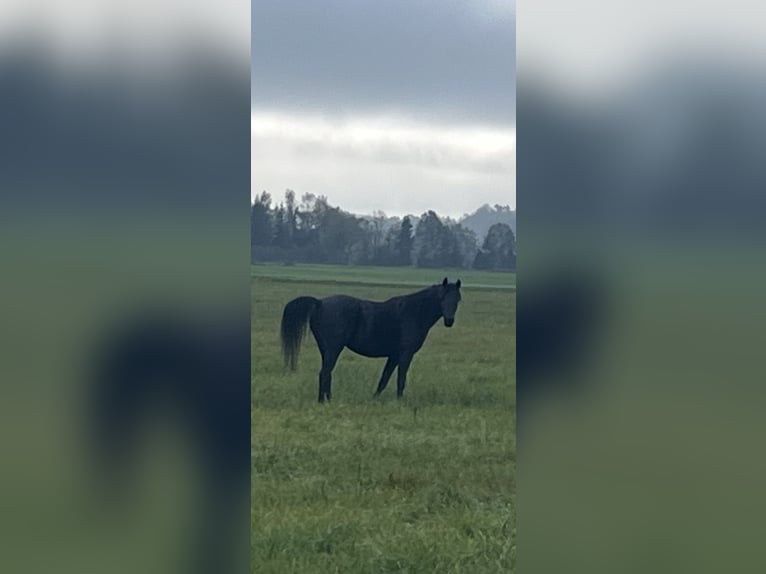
(427, 306)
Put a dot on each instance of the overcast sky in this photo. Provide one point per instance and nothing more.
(399, 105)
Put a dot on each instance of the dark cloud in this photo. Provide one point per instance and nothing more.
(443, 61)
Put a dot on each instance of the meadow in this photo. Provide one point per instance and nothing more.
(426, 484)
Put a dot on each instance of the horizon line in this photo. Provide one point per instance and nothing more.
(400, 214)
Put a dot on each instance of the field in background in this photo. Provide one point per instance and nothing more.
(422, 485)
(410, 276)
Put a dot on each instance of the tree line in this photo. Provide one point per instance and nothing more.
(313, 231)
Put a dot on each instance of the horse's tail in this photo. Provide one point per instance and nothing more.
(295, 319)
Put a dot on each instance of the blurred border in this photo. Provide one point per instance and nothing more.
(125, 153)
(641, 187)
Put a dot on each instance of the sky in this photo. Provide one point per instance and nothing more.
(396, 105)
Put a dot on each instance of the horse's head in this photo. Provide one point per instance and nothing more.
(449, 297)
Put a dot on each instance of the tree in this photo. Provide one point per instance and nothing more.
(450, 249)
(498, 250)
(402, 248)
(426, 241)
(435, 245)
(260, 220)
(362, 250)
(290, 215)
(481, 261)
(387, 253)
(281, 233)
(315, 231)
(307, 225)
(466, 244)
(375, 229)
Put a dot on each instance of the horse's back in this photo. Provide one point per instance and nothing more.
(336, 318)
(366, 327)
(346, 300)
(342, 306)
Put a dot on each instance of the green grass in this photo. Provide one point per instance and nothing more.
(421, 485)
(382, 275)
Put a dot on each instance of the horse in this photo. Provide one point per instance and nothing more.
(395, 329)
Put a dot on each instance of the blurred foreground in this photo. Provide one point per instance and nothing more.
(124, 412)
(641, 181)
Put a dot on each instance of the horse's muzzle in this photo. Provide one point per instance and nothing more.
(449, 322)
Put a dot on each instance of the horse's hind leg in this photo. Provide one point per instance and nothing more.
(329, 358)
(387, 370)
(330, 344)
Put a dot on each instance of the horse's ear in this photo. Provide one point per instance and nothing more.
(444, 283)
(458, 284)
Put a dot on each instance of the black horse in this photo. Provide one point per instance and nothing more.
(395, 329)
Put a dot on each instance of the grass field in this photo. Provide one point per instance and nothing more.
(382, 275)
(426, 484)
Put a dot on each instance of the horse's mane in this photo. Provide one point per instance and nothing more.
(420, 294)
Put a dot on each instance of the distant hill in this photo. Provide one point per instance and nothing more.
(486, 216)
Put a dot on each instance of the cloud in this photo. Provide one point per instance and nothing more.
(389, 140)
(389, 163)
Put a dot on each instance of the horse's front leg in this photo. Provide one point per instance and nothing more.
(401, 379)
(387, 371)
